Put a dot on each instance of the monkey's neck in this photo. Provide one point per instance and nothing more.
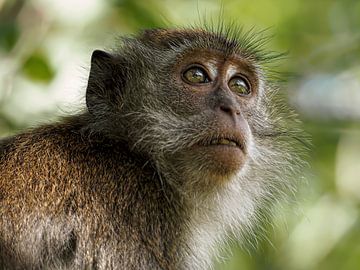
(213, 209)
(186, 224)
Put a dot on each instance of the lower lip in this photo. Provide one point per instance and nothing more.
(222, 159)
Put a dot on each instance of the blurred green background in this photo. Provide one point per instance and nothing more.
(45, 48)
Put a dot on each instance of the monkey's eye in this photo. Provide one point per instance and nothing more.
(196, 75)
(240, 86)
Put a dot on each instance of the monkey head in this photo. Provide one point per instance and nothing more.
(193, 102)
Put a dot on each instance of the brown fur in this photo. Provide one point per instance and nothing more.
(47, 187)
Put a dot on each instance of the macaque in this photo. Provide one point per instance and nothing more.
(185, 141)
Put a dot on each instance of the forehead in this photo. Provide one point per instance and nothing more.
(220, 49)
(193, 38)
(230, 43)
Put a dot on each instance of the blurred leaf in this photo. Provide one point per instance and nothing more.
(37, 68)
(9, 34)
(9, 29)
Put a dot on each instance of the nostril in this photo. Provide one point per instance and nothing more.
(226, 109)
(229, 109)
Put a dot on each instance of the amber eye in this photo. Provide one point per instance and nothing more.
(196, 75)
(240, 86)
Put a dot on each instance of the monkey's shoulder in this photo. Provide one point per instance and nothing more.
(55, 157)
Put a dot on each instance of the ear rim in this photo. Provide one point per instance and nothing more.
(101, 64)
(100, 55)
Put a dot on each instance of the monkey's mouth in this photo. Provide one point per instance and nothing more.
(223, 141)
(221, 154)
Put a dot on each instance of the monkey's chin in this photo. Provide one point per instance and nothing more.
(221, 160)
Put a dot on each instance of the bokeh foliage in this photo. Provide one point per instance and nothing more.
(44, 42)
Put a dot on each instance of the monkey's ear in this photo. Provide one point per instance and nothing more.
(105, 82)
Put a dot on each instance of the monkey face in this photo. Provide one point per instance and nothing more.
(190, 102)
(218, 91)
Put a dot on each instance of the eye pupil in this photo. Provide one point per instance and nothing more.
(195, 75)
(239, 85)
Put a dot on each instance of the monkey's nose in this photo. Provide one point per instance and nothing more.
(230, 109)
(225, 104)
